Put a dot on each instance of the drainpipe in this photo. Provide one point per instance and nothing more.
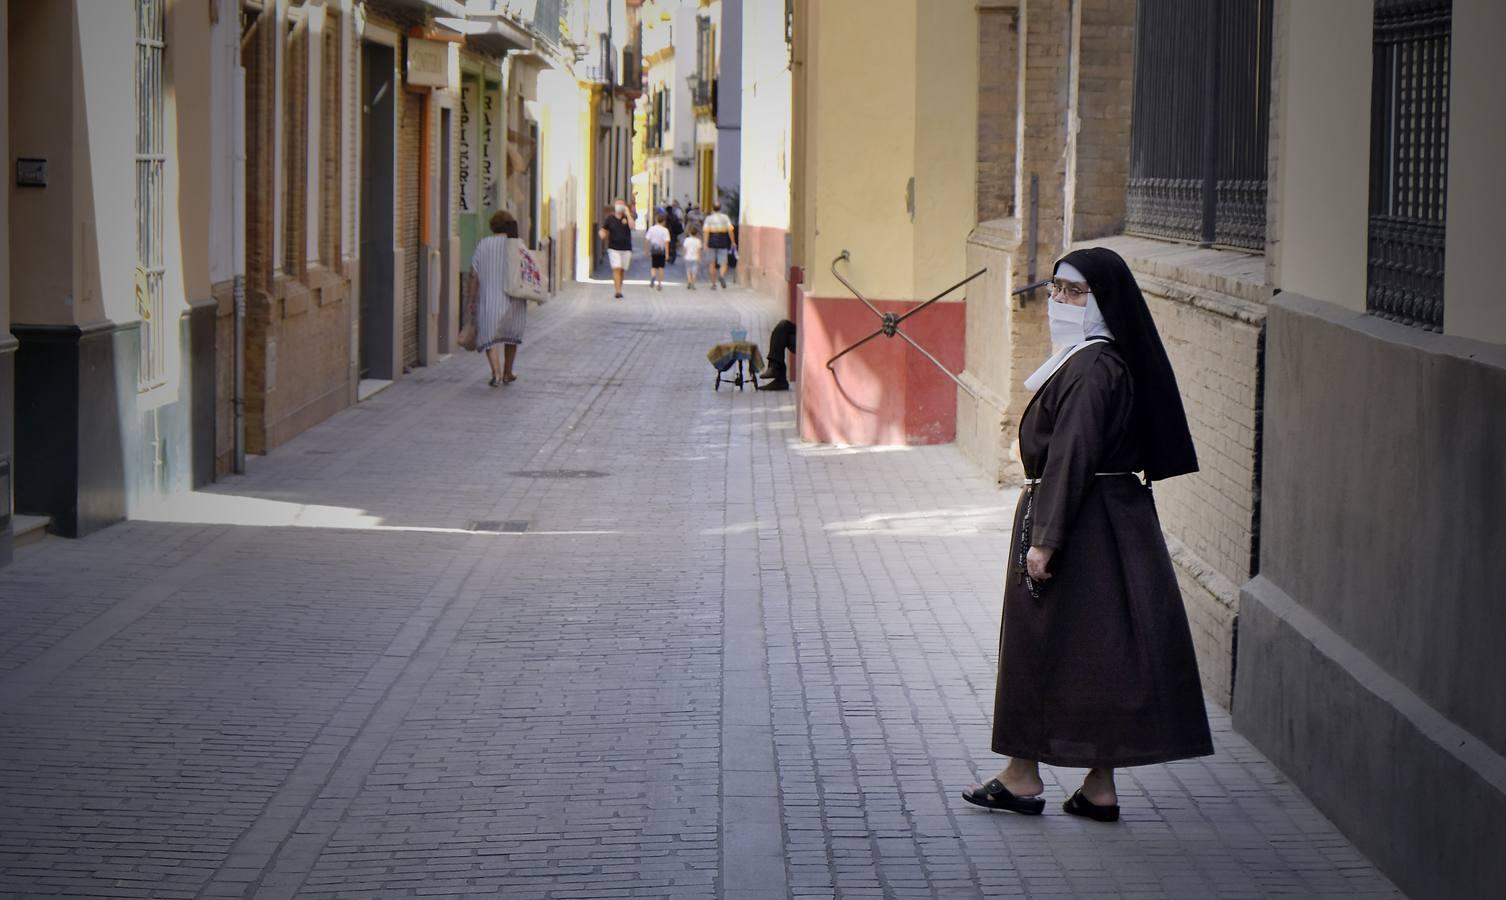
(238, 239)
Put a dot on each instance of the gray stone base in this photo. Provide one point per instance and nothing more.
(1419, 795)
(8, 346)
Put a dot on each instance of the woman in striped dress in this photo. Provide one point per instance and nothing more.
(499, 318)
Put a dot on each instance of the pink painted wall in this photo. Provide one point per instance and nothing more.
(885, 392)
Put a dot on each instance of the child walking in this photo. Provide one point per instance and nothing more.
(657, 239)
(692, 256)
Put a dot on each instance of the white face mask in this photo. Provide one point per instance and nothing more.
(621, 210)
(1067, 323)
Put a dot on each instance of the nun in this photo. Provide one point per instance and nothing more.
(1096, 665)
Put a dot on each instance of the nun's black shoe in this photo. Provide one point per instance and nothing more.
(994, 795)
(780, 385)
(1078, 805)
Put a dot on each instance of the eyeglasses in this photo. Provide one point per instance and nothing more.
(1074, 288)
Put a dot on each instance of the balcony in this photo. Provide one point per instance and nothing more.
(632, 70)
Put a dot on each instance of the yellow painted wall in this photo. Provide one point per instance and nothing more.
(1322, 175)
(188, 136)
(888, 98)
(1472, 304)
(946, 142)
(860, 144)
(41, 50)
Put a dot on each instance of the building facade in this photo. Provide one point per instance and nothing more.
(258, 214)
(1301, 192)
(669, 140)
(109, 390)
(610, 75)
(764, 181)
(1367, 640)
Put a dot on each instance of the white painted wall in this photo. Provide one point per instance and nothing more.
(730, 95)
(765, 117)
(678, 180)
(104, 166)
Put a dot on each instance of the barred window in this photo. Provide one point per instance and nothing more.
(1201, 120)
(1409, 161)
(150, 200)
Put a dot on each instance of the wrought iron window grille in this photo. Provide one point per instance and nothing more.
(151, 162)
(1409, 161)
(1201, 121)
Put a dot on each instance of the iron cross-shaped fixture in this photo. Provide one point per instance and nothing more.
(890, 322)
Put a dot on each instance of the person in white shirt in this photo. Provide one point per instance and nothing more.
(692, 247)
(657, 239)
(721, 241)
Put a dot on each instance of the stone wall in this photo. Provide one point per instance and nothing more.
(982, 408)
(1047, 95)
(1105, 75)
(1369, 644)
(1209, 308)
(299, 312)
(998, 105)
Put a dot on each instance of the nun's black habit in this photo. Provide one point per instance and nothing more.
(1099, 670)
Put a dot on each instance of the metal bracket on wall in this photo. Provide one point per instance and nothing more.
(890, 322)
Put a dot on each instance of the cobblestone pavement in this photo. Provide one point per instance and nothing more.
(682, 655)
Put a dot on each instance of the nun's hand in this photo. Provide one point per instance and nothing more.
(1036, 560)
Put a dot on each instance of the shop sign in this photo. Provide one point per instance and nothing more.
(467, 169)
(428, 63)
(490, 101)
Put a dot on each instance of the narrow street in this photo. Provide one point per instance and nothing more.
(603, 632)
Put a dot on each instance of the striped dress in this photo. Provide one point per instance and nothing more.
(499, 318)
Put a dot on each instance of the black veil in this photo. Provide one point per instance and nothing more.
(1160, 422)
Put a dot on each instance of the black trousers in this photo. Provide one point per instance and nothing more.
(781, 341)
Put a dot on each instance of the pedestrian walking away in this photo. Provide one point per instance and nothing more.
(676, 225)
(657, 238)
(721, 242)
(692, 256)
(499, 319)
(1096, 664)
(617, 231)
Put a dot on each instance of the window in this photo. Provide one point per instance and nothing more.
(150, 200)
(1200, 122)
(331, 118)
(1409, 161)
(705, 62)
(295, 148)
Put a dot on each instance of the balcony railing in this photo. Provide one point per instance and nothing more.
(546, 20)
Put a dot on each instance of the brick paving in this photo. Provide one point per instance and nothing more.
(691, 658)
